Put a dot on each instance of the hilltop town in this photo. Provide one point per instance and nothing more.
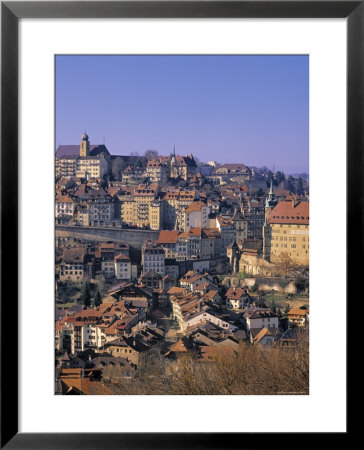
(176, 276)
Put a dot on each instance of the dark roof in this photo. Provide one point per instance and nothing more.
(65, 357)
(150, 274)
(294, 334)
(74, 255)
(74, 150)
(109, 360)
(75, 309)
(238, 215)
(252, 244)
(273, 331)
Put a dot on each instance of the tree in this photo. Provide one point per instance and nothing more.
(270, 177)
(97, 298)
(280, 177)
(273, 307)
(290, 183)
(300, 189)
(85, 299)
(151, 154)
(118, 166)
(242, 275)
(286, 265)
(286, 310)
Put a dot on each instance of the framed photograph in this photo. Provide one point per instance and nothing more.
(169, 177)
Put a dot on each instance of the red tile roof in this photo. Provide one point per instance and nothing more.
(195, 206)
(235, 293)
(168, 237)
(290, 213)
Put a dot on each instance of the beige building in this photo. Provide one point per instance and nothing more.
(91, 167)
(196, 215)
(143, 208)
(182, 167)
(85, 145)
(66, 166)
(287, 232)
(84, 162)
(156, 171)
(175, 203)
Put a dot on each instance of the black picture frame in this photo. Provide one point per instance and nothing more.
(11, 12)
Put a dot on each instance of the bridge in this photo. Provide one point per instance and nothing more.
(134, 238)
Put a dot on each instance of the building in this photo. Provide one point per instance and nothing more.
(237, 298)
(254, 210)
(241, 225)
(73, 264)
(156, 171)
(196, 215)
(191, 242)
(232, 170)
(85, 160)
(168, 240)
(211, 243)
(297, 317)
(175, 202)
(134, 175)
(204, 317)
(227, 231)
(261, 318)
(64, 207)
(264, 337)
(287, 232)
(182, 167)
(122, 267)
(66, 166)
(153, 258)
(142, 208)
(91, 167)
(96, 207)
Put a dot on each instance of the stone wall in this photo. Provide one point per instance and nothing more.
(272, 284)
(253, 265)
(135, 238)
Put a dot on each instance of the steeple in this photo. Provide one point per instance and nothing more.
(84, 145)
(270, 200)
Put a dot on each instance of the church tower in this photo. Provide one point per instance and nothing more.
(173, 164)
(84, 145)
(270, 201)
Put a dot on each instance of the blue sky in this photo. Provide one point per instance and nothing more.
(249, 109)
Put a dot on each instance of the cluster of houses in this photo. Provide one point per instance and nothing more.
(197, 317)
(210, 221)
